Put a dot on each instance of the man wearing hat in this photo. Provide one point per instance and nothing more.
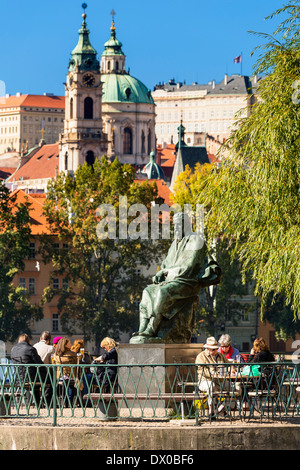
(209, 379)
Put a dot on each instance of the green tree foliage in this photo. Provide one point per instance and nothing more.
(103, 285)
(253, 199)
(16, 311)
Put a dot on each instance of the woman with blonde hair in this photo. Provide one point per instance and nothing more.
(106, 376)
(260, 352)
(65, 356)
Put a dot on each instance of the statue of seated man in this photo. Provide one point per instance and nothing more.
(168, 306)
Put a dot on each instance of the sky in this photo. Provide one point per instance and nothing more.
(189, 41)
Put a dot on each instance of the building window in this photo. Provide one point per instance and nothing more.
(90, 158)
(143, 143)
(245, 314)
(55, 322)
(31, 250)
(22, 283)
(65, 284)
(66, 160)
(31, 286)
(88, 108)
(55, 283)
(127, 143)
(149, 142)
(71, 108)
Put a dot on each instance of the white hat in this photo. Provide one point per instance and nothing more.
(212, 343)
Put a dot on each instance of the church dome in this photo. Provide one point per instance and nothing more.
(153, 170)
(119, 87)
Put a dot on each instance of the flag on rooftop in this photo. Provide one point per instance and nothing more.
(237, 59)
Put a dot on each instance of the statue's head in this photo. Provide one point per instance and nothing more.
(182, 225)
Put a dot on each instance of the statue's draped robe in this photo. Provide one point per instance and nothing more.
(188, 269)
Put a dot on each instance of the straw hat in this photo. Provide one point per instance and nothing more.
(212, 343)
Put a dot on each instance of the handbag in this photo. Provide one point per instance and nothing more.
(252, 371)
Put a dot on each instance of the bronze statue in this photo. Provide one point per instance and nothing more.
(168, 306)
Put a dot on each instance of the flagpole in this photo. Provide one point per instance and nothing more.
(241, 64)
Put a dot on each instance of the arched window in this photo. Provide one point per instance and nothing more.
(66, 160)
(127, 141)
(117, 65)
(143, 143)
(90, 158)
(71, 108)
(108, 65)
(149, 142)
(88, 108)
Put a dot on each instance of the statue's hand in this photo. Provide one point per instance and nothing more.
(159, 277)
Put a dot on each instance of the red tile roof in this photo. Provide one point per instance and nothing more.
(6, 172)
(37, 101)
(37, 219)
(165, 154)
(43, 164)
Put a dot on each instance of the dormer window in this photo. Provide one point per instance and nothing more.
(128, 93)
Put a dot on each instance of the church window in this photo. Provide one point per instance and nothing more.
(90, 158)
(143, 143)
(149, 142)
(88, 108)
(66, 160)
(127, 143)
(128, 93)
(71, 108)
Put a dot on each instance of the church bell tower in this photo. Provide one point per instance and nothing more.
(83, 139)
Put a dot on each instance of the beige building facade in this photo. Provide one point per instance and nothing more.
(26, 120)
(208, 112)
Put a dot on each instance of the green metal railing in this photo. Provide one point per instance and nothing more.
(156, 391)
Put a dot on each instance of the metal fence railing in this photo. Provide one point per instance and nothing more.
(157, 391)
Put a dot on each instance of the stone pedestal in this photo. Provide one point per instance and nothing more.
(152, 379)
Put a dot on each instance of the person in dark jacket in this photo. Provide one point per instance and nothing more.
(106, 376)
(24, 353)
(260, 352)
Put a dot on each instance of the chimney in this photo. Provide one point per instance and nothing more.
(225, 79)
(213, 84)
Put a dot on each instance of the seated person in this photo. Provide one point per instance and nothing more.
(208, 377)
(228, 350)
(260, 352)
(44, 348)
(24, 353)
(106, 376)
(65, 356)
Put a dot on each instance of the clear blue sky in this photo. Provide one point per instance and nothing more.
(191, 40)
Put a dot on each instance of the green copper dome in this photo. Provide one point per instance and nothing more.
(118, 85)
(153, 170)
(84, 55)
(113, 46)
(124, 88)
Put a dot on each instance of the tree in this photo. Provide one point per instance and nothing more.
(223, 300)
(102, 282)
(16, 311)
(253, 199)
